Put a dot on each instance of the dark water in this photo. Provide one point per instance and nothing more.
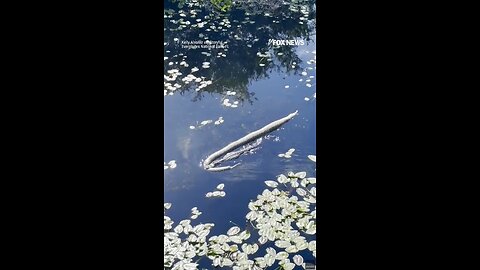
(262, 98)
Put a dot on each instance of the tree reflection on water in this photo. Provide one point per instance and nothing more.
(246, 29)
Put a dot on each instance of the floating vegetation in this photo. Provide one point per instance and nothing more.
(226, 103)
(288, 154)
(195, 213)
(198, 26)
(285, 219)
(217, 193)
(170, 165)
(219, 121)
(203, 123)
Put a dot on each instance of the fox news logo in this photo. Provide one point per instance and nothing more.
(286, 42)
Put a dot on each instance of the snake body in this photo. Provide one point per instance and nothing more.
(212, 160)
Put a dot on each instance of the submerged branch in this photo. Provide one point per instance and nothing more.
(209, 163)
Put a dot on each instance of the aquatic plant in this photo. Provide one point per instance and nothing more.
(223, 5)
(283, 217)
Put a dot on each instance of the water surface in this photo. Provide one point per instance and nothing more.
(259, 83)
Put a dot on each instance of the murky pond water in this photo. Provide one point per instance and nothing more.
(217, 92)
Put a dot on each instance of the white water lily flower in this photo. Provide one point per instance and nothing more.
(217, 261)
(167, 205)
(254, 248)
(281, 155)
(272, 184)
(287, 86)
(312, 180)
(246, 247)
(252, 215)
(222, 194)
(308, 85)
(262, 240)
(270, 256)
(236, 239)
(209, 194)
(310, 199)
(226, 262)
(301, 175)
(178, 229)
(274, 214)
(245, 235)
(220, 186)
(294, 183)
(304, 182)
(283, 179)
(282, 243)
(311, 228)
(232, 248)
(302, 245)
(271, 234)
(190, 266)
(226, 102)
(281, 256)
(292, 249)
(301, 192)
(261, 262)
(312, 158)
(219, 121)
(190, 254)
(307, 99)
(234, 230)
(187, 229)
(206, 122)
(288, 266)
(312, 245)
